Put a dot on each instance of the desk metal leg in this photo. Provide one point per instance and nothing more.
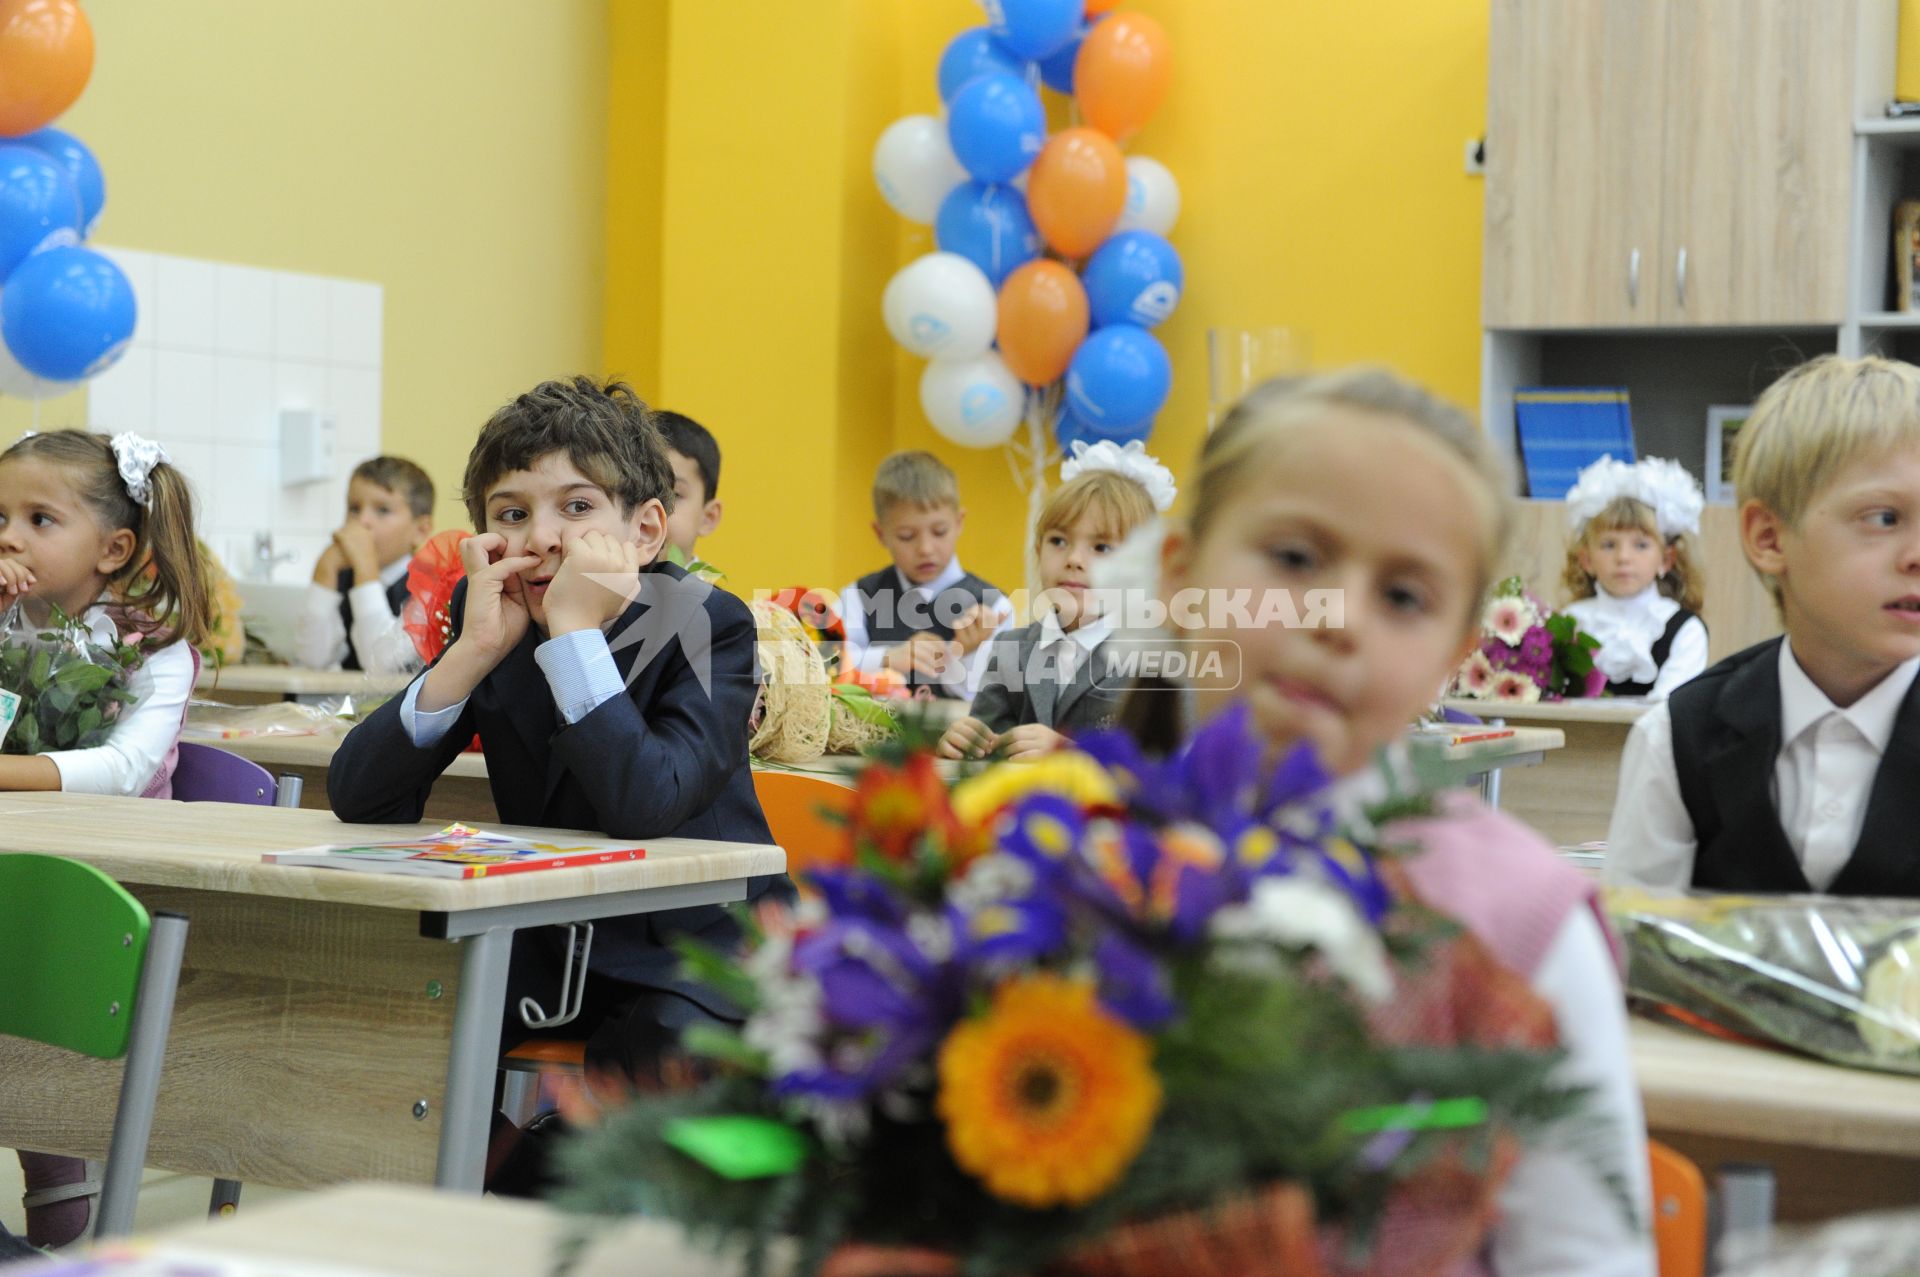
(1490, 783)
(472, 1059)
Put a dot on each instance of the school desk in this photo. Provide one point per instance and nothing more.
(1570, 800)
(258, 684)
(331, 1025)
(1839, 1140)
(413, 1232)
(461, 793)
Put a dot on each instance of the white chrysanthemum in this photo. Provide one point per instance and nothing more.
(1300, 913)
(1514, 687)
(1476, 675)
(1508, 619)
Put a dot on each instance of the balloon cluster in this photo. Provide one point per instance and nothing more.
(66, 311)
(1052, 258)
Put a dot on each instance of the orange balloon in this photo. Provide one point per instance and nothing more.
(1077, 190)
(1043, 320)
(46, 55)
(1121, 75)
(1097, 7)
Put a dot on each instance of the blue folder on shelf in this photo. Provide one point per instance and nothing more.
(1564, 429)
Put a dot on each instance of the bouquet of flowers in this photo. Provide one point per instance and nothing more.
(1528, 653)
(1835, 978)
(428, 613)
(1099, 1014)
(60, 686)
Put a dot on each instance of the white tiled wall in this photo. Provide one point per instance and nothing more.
(220, 349)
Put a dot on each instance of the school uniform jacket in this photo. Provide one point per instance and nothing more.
(1021, 685)
(667, 758)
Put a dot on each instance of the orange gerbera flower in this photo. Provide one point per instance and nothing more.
(894, 806)
(1047, 1099)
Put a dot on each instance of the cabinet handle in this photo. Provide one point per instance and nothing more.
(1680, 275)
(1633, 278)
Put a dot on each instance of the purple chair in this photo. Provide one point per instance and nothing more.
(1448, 714)
(208, 775)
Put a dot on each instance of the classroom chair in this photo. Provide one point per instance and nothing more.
(1679, 1212)
(92, 972)
(800, 810)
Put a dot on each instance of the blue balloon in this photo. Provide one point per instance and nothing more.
(1034, 28)
(1057, 71)
(997, 126)
(38, 206)
(1068, 429)
(1133, 278)
(67, 313)
(1119, 378)
(974, 53)
(88, 181)
(989, 226)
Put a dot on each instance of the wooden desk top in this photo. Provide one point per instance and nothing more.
(1694, 1083)
(217, 847)
(1525, 740)
(317, 752)
(415, 1232)
(285, 680)
(1604, 710)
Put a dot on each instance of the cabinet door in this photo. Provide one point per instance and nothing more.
(1759, 146)
(1574, 135)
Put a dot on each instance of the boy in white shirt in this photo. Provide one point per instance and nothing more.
(359, 587)
(1791, 766)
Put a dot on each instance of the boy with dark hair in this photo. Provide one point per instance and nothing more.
(352, 619)
(642, 737)
(695, 457)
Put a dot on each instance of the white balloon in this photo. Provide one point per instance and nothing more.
(977, 403)
(21, 384)
(914, 166)
(941, 306)
(1153, 197)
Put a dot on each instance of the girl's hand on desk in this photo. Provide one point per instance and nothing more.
(966, 738)
(1030, 740)
(15, 579)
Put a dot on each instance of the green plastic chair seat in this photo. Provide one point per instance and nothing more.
(71, 944)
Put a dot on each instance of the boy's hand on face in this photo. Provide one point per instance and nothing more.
(15, 579)
(1030, 740)
(496, 617)
(966, 738)
(355, 544)
(332, 563)
(599, 577)
(975, 626)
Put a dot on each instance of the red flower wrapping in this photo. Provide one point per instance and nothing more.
(435, 570)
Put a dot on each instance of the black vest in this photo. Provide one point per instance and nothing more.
(397, 596)
(1662, 648)
(1726, 740)
(894, 616)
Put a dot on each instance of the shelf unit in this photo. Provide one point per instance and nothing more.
(1675, 373)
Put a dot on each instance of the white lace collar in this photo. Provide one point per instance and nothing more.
(1627, 630)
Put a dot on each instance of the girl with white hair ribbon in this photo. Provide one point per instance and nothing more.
(1633, 576)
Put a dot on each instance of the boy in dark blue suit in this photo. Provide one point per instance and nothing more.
(610, 691)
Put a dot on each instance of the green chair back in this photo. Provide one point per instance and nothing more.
(71, 944)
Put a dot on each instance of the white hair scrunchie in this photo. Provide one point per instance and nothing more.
(1133, 461)
(137, 456)
(1664, 486)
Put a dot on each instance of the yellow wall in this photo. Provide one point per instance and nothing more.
(1319, 153)
(451, 150)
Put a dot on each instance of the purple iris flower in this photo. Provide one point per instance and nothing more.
(852, 893)
(1132, 985)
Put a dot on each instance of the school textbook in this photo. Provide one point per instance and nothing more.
(456, 852)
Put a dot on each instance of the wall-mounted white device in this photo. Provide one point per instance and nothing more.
(306, 446)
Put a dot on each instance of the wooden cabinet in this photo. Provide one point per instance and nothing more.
(1573, 153)
(1668, 162)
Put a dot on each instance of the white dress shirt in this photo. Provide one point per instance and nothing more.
(962, 680)
(145, 731)
(1822, 780)
(580, 672)
(1628, 629)
(379, 636)
(1068, 650)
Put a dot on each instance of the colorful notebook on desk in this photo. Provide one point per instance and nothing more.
(456, 852)
(1564, 429)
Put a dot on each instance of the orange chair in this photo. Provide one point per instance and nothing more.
(1679, 1212)
(808, 817)
(797, 807)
